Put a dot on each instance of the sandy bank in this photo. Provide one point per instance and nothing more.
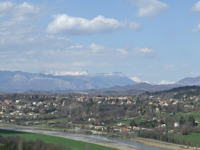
(160, 144)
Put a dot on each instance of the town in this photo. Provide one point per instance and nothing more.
(150, 115)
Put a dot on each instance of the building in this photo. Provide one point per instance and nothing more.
(176, 124)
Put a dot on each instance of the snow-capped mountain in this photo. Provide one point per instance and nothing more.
(63, 73)
(59, 81)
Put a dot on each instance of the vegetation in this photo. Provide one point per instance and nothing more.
(193, 139)
(171, 115)
(72, 144)
(16, 143)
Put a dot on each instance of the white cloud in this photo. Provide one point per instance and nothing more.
(6, 8)
(122, 51)
(147, 52)
(136, 79)
(194, 73)
(19, 12)
(96, 48)
(26, 11)
(135, 52)
(165, 82)
(184, 64)
(149, 8)
(197, 29)
(196, 7)
(67, 25)
(139, 74)
(76, 46)
(27, 46)
(135, 26)
(170, 67)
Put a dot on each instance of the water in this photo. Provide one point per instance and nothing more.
(96, 139)
(137, 144)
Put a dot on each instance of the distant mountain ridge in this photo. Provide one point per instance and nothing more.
(116, 82)
(132, 89)
(189, 81)
(22, 81)
(145, 87)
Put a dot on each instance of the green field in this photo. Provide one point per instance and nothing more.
(73, 144)
(196, 115)
(60, 120)
(161, 114)
(128, 121)
(193, 138)
(138, 120)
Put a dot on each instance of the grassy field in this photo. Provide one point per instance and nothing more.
(161, 114)
(196, 115)
(54, 120)
(138, 120)
(58, 119)
(78, 145)
(128, 121)
(194, 138)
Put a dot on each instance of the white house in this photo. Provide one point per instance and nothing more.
(176, 124)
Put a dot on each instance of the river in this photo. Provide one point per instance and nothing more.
(96, 139)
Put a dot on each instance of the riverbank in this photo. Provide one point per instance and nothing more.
(159, 144)
(103, 141)
(97, 140)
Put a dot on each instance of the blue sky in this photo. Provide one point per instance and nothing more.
(147, 40)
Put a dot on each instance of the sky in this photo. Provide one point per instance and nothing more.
(156, 41)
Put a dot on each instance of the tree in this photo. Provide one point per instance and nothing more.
(153, 107)
(132, 123)
(159, 107)
(108, 129)
(191, 119)
(182, 121)
(178, 107)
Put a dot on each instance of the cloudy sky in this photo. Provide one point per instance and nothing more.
(147, 40)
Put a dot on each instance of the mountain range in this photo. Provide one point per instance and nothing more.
(189, 81)
(132, 89)
(18, 81)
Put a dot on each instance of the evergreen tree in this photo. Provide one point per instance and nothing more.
(191, 119)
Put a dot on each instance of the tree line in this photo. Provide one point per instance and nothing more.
(16, 143)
